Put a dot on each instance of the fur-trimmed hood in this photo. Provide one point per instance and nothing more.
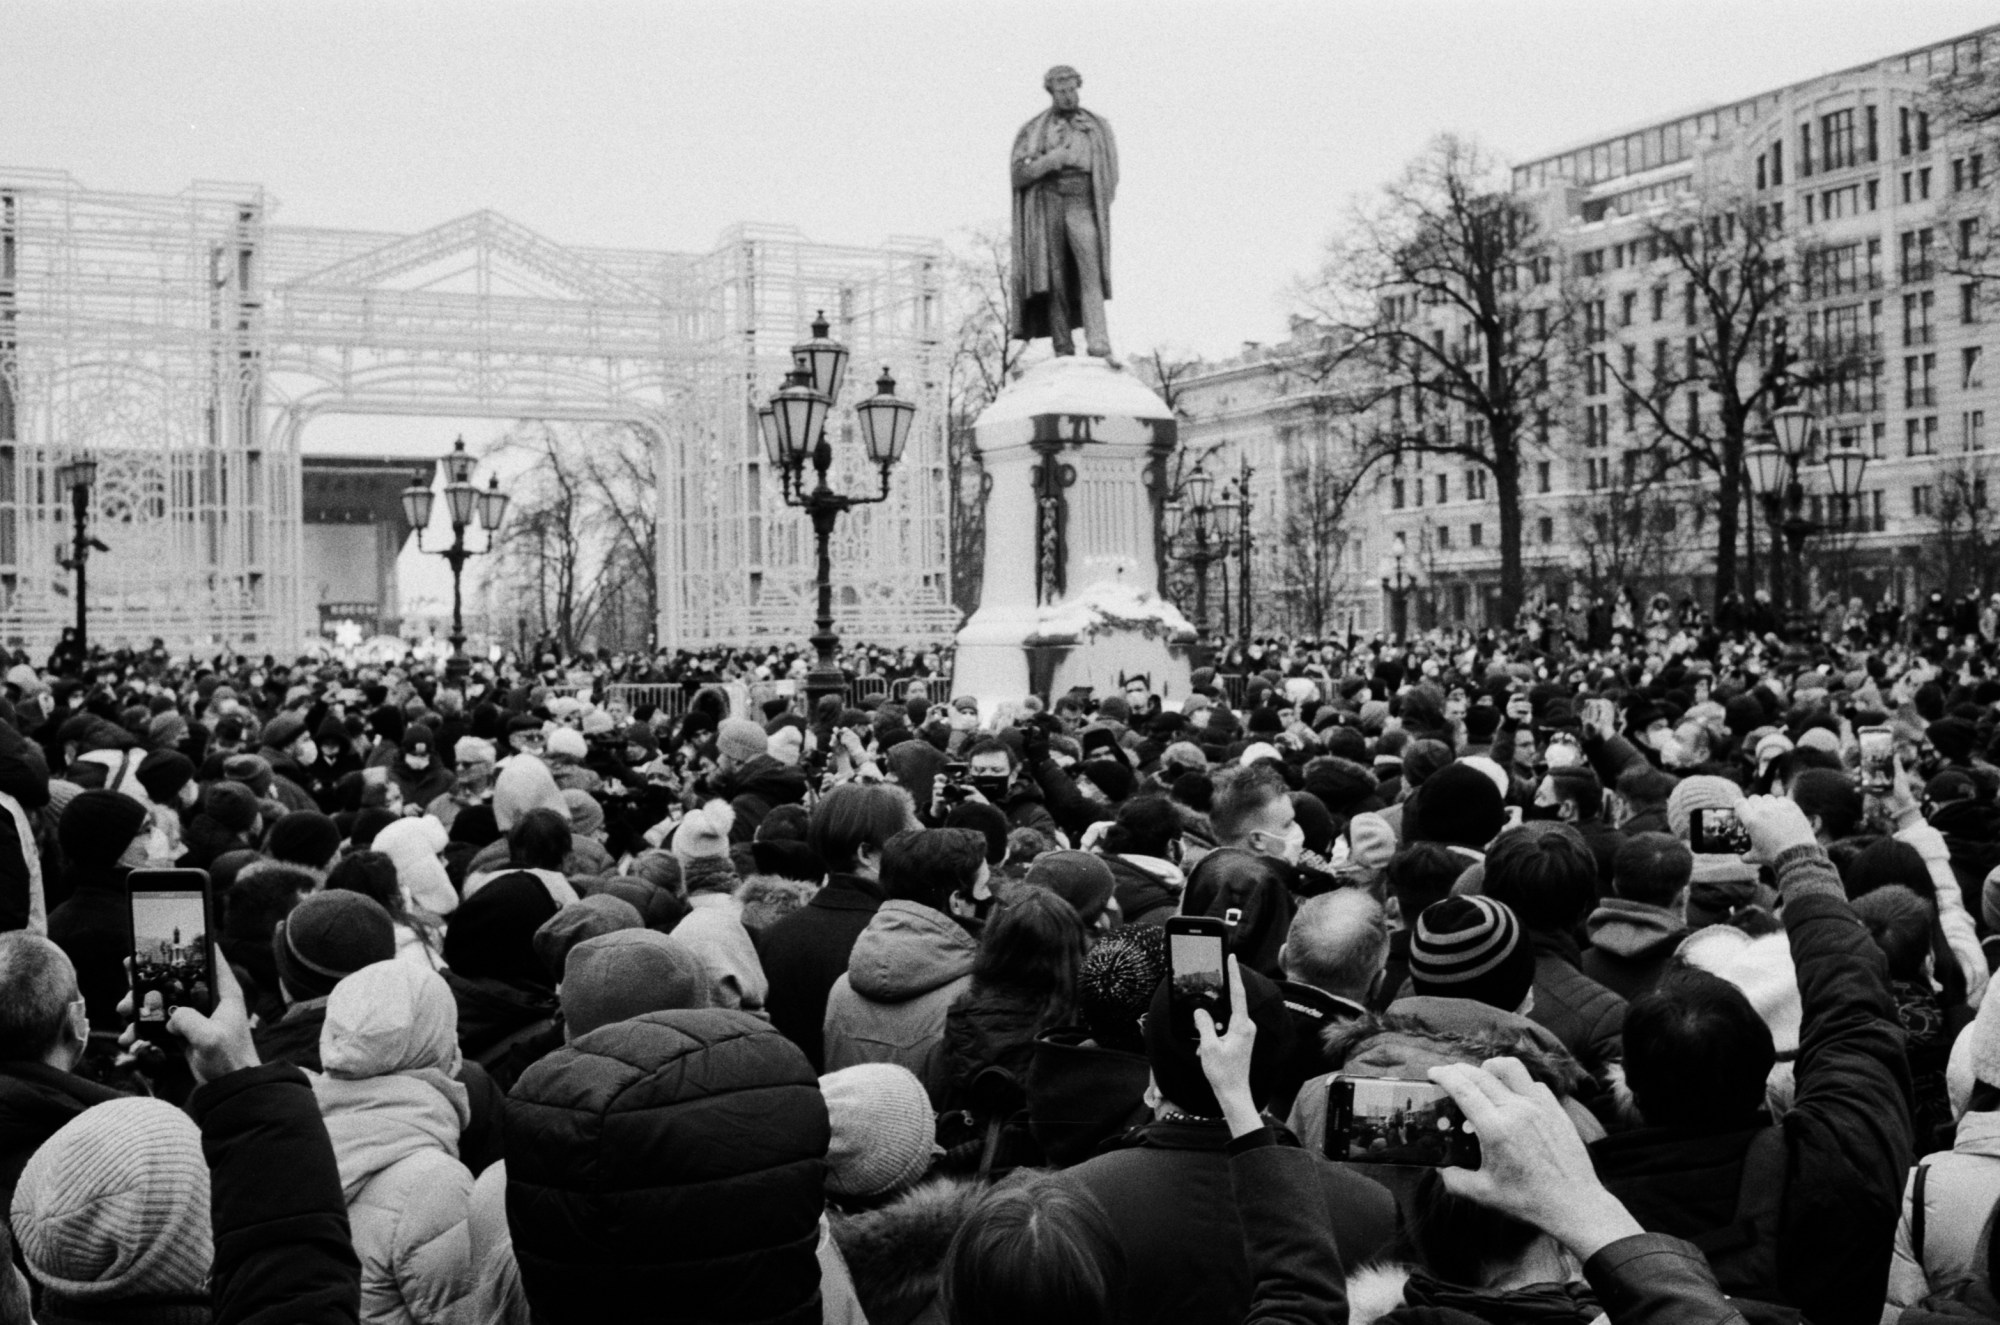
(894, 1253)
(1376, 1293)
(1407, 1037)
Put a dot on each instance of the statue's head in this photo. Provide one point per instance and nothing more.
(1061, 83)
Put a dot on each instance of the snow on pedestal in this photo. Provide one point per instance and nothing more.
(1075, 451)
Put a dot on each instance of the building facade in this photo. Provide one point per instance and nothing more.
(1883, 217)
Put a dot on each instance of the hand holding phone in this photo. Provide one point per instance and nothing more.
(1392, 1120)
(1226, 1060)
(219, 1042)
(1878, 759)
(1717, 832)
(173, 952)
(1197, 971)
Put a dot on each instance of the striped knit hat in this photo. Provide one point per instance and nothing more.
(114, 1206)
(1470, 947)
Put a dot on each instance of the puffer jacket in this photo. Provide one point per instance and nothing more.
(675, 1160)
(395, 1112)
(1588, 1018)
(1961, 1188)
(907, 969)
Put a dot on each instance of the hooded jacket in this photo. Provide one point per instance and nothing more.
(907, 969)
(754, 790)
(1081, 1094)
(895, 1253)
(1148, 888)
(1961, 1187)
(395, 1110)
(1631, 945)
(675, 1161)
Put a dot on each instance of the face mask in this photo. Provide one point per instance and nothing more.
(1290, 845)
(308, 752)
(418, 762)
(1542, 813)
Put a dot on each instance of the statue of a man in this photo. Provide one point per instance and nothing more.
(1065, 170)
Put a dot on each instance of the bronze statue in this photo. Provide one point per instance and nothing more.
(1065, 171)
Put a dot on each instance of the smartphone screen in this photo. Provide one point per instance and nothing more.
(1386, 1120)
(1717, 832)
(171, 955)
(1878, 759)
(1195, 958)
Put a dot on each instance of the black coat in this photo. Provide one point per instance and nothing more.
(283, 1251)
(1170, 1203)
(988, 1027)
(1816, 1231)
(94, 927)
(675, 1160)
(35, 1101)
(25, 777)
(807, 951)
(504, 1028)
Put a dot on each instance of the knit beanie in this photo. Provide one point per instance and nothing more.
(884, 1129)
(1113, 777)
(740, 739)
(1471, 947)
(597, 914)
(627, 973)
(1456, 806)
(1701, 792)
(329, 935)
(97, 826)
(1116, 983)
(1953, 738)
(1819, 738)
(163, 773)
(282, 730)
(586, 815)
(567, 743)
(704, 834)
(1370, 841)
(253, 771)
(474, 750)
(1078, 877)
(492, 935)
(1177, 1066)
(304, 837)
(1975, 1057)
(115, 1207)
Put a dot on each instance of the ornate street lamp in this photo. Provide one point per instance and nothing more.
(793, 428)
(464, 504)
(1209, 527)
(1776, 467)
(1397, 585)
(79, 475)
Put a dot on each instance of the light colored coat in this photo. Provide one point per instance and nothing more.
(907, 969)
(394, 1111)
(1960, 1192)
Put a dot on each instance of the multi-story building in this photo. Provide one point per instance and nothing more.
(1881, 212)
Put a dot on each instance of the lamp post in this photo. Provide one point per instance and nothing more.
(1397, 585)
(79, 475)
(463, 503)
(793, 426)
(1777, 466)
(1241, 496)
(1211, 528)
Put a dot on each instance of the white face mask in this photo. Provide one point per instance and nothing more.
(1290, 845)
(418, 762)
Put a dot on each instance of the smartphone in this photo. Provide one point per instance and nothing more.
(1197, 971)
(1390, 1120)
(1716, 832)
(1878, 759)
(173, 958)
(1599, 715)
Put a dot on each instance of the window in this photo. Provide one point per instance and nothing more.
(1968, 238)
(1659, 303)
(1972, 424)
(1591, 263)
(1628, 307)
(1968, 303)
(1918, 390)
(1476, 534)
(1923, 183)
(1903, 139)
(1971, 369)
(1920, 500)
(1920, 436)
(1873, 135)
(1905, 180)
(1694, 412)
(1444, 487)
(1542, 468)
(1923, 118)
(1545, 529)
(1475, 484)
(1630, 462)
(1917, 318)
(1916, 246)
(1878, 439)
(1777, 164)
(1396, 494)
(1873, 190)
(1836, 138)
(1805, 150)
(1689, 305)
(1444, 537)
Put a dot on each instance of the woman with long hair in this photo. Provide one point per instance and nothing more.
(1023, 983)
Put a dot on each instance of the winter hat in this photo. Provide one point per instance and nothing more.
(1700, 792)
(1975, 1057)
(1742, 714)
(165, 730)
(600, 913)
(1471, 947)
(1953, 738)
(493, 934)
(230, 804)
(628, 973)
(1370, 841)
(474, 750)
(597, 723)
(253, 771)
(304, 837)
(1819, 738)
(884, 1129)
(1455, 806)
(163, 773)
(415, 844)
(524, 783)
(586, 816)
(1256, 752)
(915, 765)
(1315, 821)
(282, 730)
(1078, 877)
(97, 826)
(1115, 985)
(1340, 783)
(1762, 968)
(115, 1206)
(1492, 771)
(363, 826)
(1113, 777)
(1171, 1052)
(704, 834)
(659, 908)
(330, 935)
(567, 743)
(740, 739)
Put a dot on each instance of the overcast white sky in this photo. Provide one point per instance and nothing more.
(1243, 128)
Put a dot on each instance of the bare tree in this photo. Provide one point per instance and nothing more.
(1449, 297)
(1314, 556)
(1959, 547)
(982, 361)
(1722, 268)
(1963, 108)
(1638, 534)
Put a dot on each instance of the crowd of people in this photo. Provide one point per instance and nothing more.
(536, 1004)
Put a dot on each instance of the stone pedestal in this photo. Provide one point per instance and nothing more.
(1076, 455)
